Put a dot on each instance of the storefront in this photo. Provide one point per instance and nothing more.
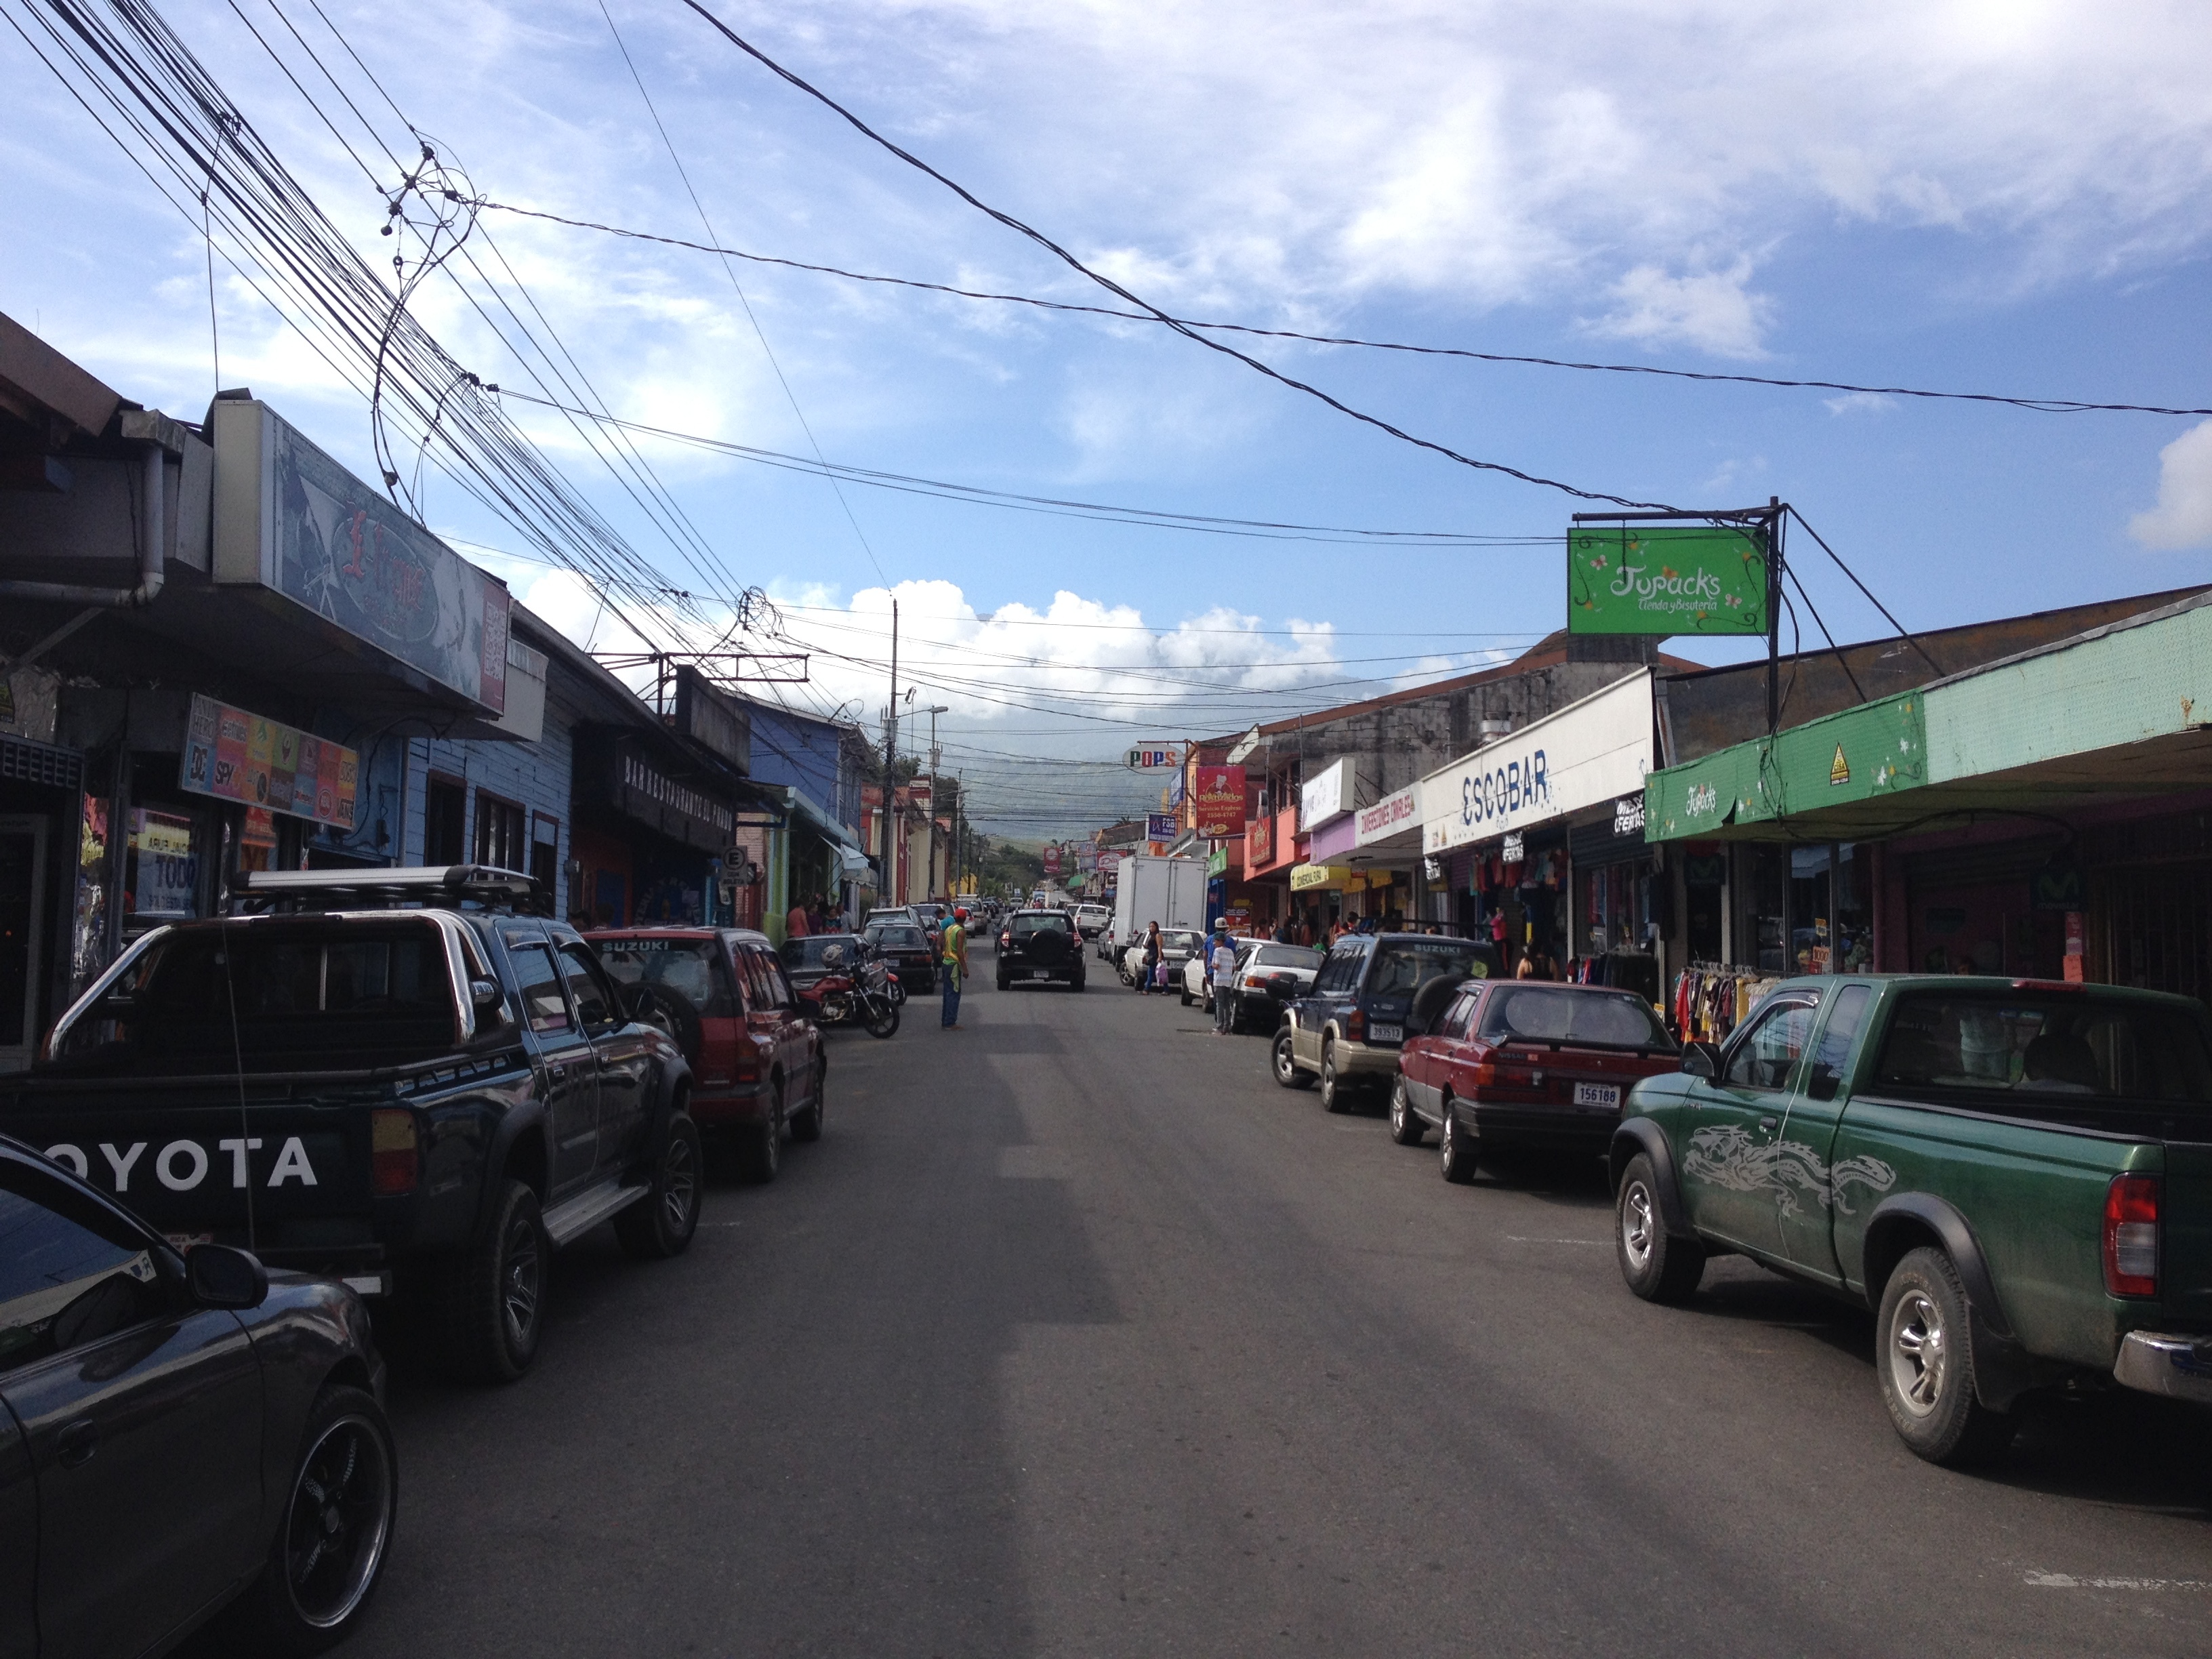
(1498, 825)
(648, 841)
(2045, 816)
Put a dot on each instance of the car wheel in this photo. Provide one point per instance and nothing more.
(1406, 1126)
(1924, 1361)
(762, 1150)
(1335, 1096)
(808, 1126)
(660, 1225)
(494, 1297)
(1457, 1152)
(1002, 981)
(1186, 996)
(1657, 1266)
(329, 1553)
(1286, 1063)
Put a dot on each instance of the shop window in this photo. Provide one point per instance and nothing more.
(1853, 910)
(1766, 877)
(161, 866)
(445, 804)
(544, 860)
(499, 833)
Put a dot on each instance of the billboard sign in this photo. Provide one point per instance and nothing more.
(1159, 826)
(1590, 752)
(233, 755)
(1155, 757)
(1219, 800)
(290, 519)
(1052, 859)
(1667, 579)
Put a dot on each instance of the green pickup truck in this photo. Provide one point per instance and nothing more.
(2014, 1175)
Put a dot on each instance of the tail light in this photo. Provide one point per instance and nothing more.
(2131, 1236)
(1505, 1071)
(1355, 1025)
(395, 1161)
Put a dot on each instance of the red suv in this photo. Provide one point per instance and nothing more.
(1523, 1063)
(756, 1061)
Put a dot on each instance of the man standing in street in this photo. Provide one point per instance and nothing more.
(952, 951)
(1221, 966)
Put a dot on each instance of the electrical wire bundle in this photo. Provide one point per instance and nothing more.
(143, 86)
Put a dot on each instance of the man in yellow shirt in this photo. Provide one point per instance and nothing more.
(952, 958)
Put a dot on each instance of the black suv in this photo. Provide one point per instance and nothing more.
(1037, 947)
(398, 1078)
(1349, 1028)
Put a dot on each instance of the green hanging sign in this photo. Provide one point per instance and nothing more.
(1666, 578)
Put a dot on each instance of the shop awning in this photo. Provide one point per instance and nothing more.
(820, 821)
(2108, 715)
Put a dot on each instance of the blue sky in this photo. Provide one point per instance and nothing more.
(2009, 199)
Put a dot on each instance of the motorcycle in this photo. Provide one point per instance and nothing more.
(842, 997)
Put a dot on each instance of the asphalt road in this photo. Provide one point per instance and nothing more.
(1076, 1335)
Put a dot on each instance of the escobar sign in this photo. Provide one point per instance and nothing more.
(1669, 579)
(1590, 752)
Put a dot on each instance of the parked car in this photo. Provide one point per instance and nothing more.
(2013, 1174)
(427, 1099)
(1267, 976)
(758, 1070)
(1177, 946)
(1092, 919)
(1522, 1064)
(181, 1431)
(906, 950)
(1347, 1032)
(1039, 946)
(897, 916)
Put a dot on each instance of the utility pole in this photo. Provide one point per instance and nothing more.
(929, 876)
(1773, 614)
(888, 891)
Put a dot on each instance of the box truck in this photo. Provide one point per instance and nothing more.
(1171, 891)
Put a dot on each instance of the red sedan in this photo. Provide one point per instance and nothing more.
(756, 1060)
(1523, 1063)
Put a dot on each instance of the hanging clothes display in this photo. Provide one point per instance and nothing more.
(1711, 999)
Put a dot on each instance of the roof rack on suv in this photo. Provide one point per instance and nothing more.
(451, 883)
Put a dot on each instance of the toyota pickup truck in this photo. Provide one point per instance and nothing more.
(2014, 1175)
(396, 1077)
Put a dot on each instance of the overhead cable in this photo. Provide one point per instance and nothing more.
(2040, 405)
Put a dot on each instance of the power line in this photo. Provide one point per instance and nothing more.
(1153, 311)
(2040, 405)
(909, 483)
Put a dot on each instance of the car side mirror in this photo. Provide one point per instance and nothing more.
(1701, 1059)
(485, 993)
(222, 1277)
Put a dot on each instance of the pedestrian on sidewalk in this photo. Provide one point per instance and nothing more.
(952, 953)
(795, 925)
(1221, 963)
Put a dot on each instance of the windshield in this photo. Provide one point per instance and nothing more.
(2056, 1044)
(1589, 1019)
(1287, 956)
(898, 939)
(692, 967)
(1047, 922)
(1403, 966)
(1178, 940)
(300, 996)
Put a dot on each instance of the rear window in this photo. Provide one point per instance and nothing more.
(809, 952)
(1403, 966)
(1179, 939)
(2052, 1047)
(1591, 1018)
(898, 939)
(692, 967)
(300, 996)
(1287, 955)
(1051, 923)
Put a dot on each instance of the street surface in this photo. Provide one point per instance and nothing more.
(1076, 1335)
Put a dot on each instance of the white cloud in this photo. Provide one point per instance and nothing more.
(1712, 310)
(2183, 517)
(1860, 402)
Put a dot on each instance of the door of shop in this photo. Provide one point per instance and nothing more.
(22, 915)
(2151, 925)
